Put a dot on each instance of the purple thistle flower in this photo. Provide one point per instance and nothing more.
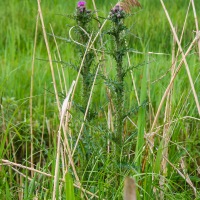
(117, 12)
(81, 4)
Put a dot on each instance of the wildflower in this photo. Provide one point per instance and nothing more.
(81, 6)
(83, 16)
(117, 8)
(117, 12)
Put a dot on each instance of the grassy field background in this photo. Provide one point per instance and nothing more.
(168, 168)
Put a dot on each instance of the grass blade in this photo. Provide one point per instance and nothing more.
(69, 187)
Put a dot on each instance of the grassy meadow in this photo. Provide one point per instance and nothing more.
(52, 150)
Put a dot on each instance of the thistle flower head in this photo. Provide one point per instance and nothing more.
(117, 12)
(81, 6)
(82, 15)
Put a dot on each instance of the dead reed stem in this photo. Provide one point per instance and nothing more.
(59, 57)
(31, 94)
(129, 189)
(183, 176)
(64, 108)
(184, 25)
(196, 23)
(132, 77)
(49, 54)
(166, 129)
(43, 123)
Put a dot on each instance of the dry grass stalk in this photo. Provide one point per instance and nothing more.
(184, 26)
(21, 191)
(196, 23)
(57, 99)
(59, 75)
(68, 150)
(9, 163)
(43, 123)
(24, 176)
(129, 189)
(167, 122)
(183, 175)
(56, 94)
(187, 177)
(59, 147)
(110, 124)
(49, 54)
(31, 92)
(132, 77)
(59, 57)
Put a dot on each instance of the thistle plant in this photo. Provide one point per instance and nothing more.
(83, 18)
(117, 16)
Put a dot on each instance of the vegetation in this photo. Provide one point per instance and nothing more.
(59, 124)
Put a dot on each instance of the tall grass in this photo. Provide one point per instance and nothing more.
(161, 125)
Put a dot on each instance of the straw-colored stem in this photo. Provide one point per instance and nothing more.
(31, 94)
(166, 129)
(196, 23)
(43, 124)
(49, 54)
(132, 77)
(129, 189)
(64, 108)
(59, 57)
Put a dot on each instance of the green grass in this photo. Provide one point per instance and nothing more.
(96, 169)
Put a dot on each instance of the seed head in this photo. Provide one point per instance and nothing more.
(126, 5)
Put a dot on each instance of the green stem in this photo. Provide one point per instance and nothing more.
(83, 18)
(86, 73)
(119, 89)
